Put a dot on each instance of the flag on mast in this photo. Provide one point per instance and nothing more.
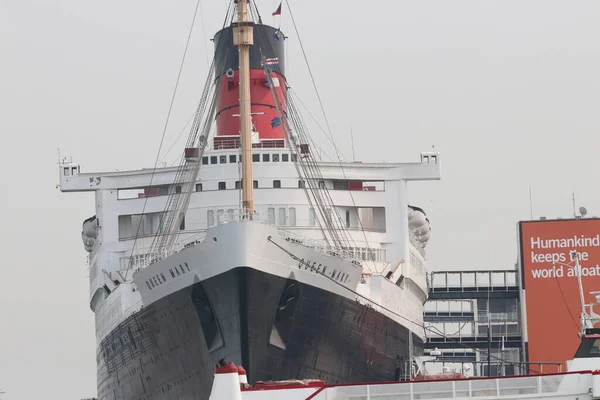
(278, 11)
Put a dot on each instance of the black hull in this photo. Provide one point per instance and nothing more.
(276, 328)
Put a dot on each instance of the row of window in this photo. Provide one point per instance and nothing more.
(235, 158)
(285, 217)
(238, 185)
(142, 224)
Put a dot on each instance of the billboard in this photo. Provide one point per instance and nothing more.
(551, 299)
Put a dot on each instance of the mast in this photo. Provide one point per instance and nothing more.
(243, 39)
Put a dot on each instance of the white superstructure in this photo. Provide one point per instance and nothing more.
(390, 237)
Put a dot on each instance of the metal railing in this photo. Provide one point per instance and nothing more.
(471, 329)
(496, 367)
(558, 386)
(484, 280)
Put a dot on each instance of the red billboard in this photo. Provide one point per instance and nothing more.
(549, 276)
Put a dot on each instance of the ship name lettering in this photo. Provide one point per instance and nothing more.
(160, 278)
(322, 269)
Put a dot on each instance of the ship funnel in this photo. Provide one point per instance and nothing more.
(267, 132)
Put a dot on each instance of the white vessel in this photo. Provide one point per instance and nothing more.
(314, 269)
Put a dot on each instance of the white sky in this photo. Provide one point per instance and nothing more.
(508, 91)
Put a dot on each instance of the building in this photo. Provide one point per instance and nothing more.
(463, 307)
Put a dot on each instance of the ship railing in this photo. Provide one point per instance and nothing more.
(478, 369)
(549, 386)
(346, 254)
(496, 367)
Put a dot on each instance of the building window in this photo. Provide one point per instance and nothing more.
(271, 216)
(255, 184)
(266, 157)
(301, 184)
(292, 216)
(198, 187)
(222, 185)
(311, 217)
(255, 157)
(232, 159)
(213, 159)
(277, 184)
(285, 157)
(204, 160)
(210, 218)
(282, 220)
(238, 184)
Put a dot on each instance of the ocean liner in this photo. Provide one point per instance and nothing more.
(253, 249)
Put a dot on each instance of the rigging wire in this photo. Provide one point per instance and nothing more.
(204, 33)
(310, 169)
(295, 95)
(177, 138)
(162, 139)
(186, 175)
(329, 128)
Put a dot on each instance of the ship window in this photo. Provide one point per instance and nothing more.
(177, 189)
(223, 160)
(255, 157)
(301, 184)
(198, 187)
(182, 226)
(222, 185)
(277, 184)
(67, 171)
(238, 184)
(230, 215)
(271, 216)
(292, 216)
(285, 157)
(255, 184)
(321, 185)
(220, 213)
(210, 218)
(275, 157)
(311, 216)
(347, 218)
(232, 159)
(282, 216)
(266, 157)
(131, 226)
(204, 160)
(294, 157)
(213, 159)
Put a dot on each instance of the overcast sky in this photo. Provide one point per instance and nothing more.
(507, 91)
